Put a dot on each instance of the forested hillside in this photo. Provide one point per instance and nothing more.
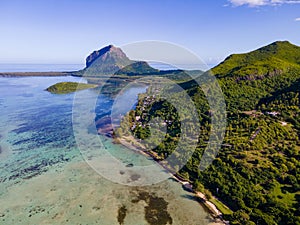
(257, 170)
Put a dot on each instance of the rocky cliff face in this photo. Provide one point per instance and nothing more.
(106, 53)
(107, 60)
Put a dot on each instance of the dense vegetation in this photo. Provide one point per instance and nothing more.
(140, 69)
(257, 170)
(137, 68)
(68, 87)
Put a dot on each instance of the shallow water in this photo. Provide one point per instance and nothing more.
(44, 178)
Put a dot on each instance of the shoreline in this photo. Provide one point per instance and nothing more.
(209, 206)
(35, 74)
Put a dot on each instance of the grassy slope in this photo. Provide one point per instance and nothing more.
(278, 56)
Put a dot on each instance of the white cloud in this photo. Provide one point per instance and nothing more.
(297, 19)
(248, 2)
(256, 3)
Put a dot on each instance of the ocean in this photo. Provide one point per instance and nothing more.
(73, 67)
(10, 67)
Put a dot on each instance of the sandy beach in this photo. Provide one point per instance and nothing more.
(214, 211)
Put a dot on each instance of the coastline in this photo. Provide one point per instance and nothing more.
(208, 205)
(69, 191)
(36, 74)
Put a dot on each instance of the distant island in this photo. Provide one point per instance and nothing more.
(69, 87)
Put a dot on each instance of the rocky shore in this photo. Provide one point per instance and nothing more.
(104, 126)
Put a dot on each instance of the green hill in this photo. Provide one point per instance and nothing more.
(257, 170)
(136, 69)
(141, 68)
(246, 78)
(273, 59)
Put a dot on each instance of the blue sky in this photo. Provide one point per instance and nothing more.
(66, 31)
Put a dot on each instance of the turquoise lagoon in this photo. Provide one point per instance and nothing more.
(44, 179)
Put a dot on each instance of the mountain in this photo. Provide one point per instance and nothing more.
(111, 60)
(106, 61)
(246, 78)
(273, 59)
